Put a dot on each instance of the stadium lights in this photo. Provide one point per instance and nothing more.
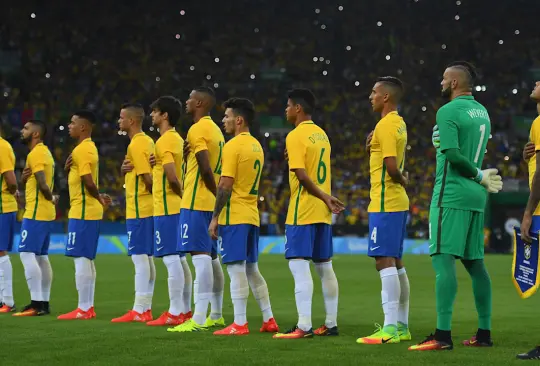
(325, 72)
(315, 59)
(323, 27)
(458, 3)
(348, 48)
(340, 8)
(182, 12)
(501, 41)
(61, 128)
(261, 198)
(208, 77)
(266, 134)
(514, 91)
(256, 30)
(356, 83)
(317, 11)
(484, 88)
(387, 57)
(192, 68)
(379, 24)
(443, 46)
(6, 94)
(252, 76)
(33, 15)
(516, 32)
(456, 17)
(506, 158)
(158, 78)
(47, 75)
(327, 62)
(177, 36)
(216, 85)
(478, 88)
(151, 128)
(216, 60)
(424, 108)
(321, 59)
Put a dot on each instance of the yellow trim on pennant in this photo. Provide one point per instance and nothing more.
(532, 290)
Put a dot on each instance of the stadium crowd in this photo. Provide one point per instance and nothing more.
(56, 60)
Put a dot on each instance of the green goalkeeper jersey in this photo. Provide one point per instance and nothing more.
(463, 124)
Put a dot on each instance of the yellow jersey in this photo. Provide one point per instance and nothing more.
(243, 160)
(202, 135)
(7, 163)
(309, 148)
(534, 137)
(37, 207)
(389, 139)
(85, 160)
(169, 149)
(139, 203)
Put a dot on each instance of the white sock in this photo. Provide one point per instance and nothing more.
(142, 280)
(84, 280)
(390, 295)
(151, 284)
(204, 281)
(403, 309)
(176, 283)
(216, 301)
(330, 292)
(239, 291)
(188, 286)
(303, 291)
(94, 276)
(6, 281)
(46, 276)
(32, 272)
(260, 290)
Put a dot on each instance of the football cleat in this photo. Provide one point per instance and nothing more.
(431, 344)
(166, 319)
(28, 310)
(78, 314)
(380, 336)
(404, 333)
(148, 315)
(129, 317)
(233, 330)
(270, 326)
(325, 331)
(474, 342)
(294, 333)
(7, 309)
(209, 323)
(533, 354)
(188, 326)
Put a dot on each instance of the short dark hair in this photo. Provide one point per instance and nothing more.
(209, 92)
(135, 107)
(468, 68)
(170, 105)
(395, 84)
(42, 127)
(86, 115)
(242, 107)
(304, 97)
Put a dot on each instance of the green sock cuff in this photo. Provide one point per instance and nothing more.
(390, 329)
(402, 326)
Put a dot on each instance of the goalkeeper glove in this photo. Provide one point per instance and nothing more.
(435, 138)
(489, 179)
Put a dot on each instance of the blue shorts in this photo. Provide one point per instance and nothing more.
(535, 225)
(309, 241)
(140, 236)
(193, 233)
(239, 243)
(35, 236)
(387, 231)
(166, 235)
(82, 238)
(7, 230)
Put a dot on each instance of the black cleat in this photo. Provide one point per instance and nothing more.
(533, 354)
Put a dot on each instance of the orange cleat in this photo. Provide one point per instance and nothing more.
(129, 317)
(7, 309)
(185, 317)
(92, 311)
(294, 333)
(233, 330)
(78, 314)
(166, 319)
(29, 310)
(148, 315)
(270, 326)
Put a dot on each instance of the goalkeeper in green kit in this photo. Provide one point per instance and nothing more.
(456, 218)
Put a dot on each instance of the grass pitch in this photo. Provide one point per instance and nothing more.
(47, 341)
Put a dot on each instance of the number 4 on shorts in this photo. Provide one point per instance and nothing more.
(374, 235)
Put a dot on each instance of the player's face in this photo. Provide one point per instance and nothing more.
(157, 117)
(75, 127)
(229, 121)
(26, 133)
(446, 84)
(377, 98)
(535, 95)
(290, 111)
(191, 103)
(124, 120)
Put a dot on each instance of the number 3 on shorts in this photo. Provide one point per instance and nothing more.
(374, 235)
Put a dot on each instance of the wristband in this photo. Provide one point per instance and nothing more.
(479, 176)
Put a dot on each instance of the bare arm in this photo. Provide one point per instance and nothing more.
(147, 179)
(308, 184)
(42, 185)
(534, 196)
(90, 186)
(11, 181)
(207, 175)
(224, 192)
(393, 171)
(174, 182)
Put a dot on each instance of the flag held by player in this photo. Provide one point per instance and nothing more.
(525, 266)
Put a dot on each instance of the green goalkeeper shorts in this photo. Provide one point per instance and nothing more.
(456, 232)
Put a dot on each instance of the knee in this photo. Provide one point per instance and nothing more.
(384, 262)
